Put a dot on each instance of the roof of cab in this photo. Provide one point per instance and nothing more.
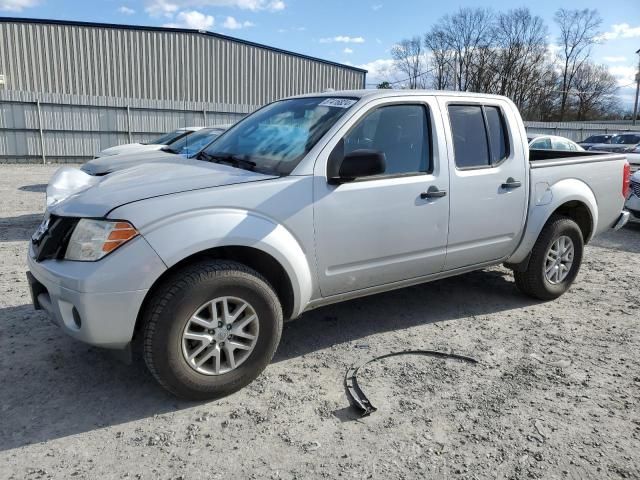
(386, 93)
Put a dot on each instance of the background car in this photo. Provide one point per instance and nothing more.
(188, 146)
(633, 157)
(553, 142)
(622, 143)
(633, 200)
(156, 144)
(593, 140)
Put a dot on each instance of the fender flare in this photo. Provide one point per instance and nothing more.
(545, 200)
(181, 236)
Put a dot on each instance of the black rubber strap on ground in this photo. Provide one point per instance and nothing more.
(356, 396)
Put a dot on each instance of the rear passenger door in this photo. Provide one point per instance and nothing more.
(487, 181)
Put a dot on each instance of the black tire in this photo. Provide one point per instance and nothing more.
(175, 302)
(533, 281)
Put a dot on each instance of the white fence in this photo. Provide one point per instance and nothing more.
(578, 131)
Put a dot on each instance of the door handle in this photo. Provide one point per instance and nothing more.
(511, 183)
(433, 192)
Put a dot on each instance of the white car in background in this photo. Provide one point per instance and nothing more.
(553, 142)
(188, 146)
(156, 144)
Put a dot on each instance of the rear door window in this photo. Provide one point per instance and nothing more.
(479, 135)
(498, 143)
(470, 144)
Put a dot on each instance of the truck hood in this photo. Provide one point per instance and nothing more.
(112, 163)
(151, 180)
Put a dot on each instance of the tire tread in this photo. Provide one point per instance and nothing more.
(179, 282)
(531, 281)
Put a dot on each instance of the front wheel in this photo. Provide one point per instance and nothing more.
(211, 329)
(555, 260)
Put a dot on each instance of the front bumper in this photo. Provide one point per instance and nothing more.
(96, 302)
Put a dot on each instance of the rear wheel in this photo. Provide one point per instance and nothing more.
(211, 329)
(555, 260)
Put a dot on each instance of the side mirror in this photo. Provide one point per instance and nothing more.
(357, 164)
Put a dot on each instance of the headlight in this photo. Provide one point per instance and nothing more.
(93, 239)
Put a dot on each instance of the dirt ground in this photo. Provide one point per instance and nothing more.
(556, 393)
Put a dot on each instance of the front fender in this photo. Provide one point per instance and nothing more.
(546, 199)
(178, 237)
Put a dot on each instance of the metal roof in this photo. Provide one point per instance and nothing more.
(174, 30)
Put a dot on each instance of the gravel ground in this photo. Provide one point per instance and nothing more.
(555, 394)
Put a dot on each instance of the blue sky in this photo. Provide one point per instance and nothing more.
(356, 32)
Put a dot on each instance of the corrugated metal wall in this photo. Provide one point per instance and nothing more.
(69, 128)
(73, 89)
(157, 64)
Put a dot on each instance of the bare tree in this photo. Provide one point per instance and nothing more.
(409, 58)
(520, 39)
(508, 53)
(467, 35)
(595, 88)
(578, 33)
(441, 59)
(540, 101)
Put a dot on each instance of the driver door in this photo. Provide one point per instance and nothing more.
(382, 229)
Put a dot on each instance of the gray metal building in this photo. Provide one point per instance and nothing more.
(69, 89)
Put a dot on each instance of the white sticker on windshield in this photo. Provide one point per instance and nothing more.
(337, 102)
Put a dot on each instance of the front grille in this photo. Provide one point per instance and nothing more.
(635, 188)
(53, 243)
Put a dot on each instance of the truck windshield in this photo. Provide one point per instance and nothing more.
(276, 138)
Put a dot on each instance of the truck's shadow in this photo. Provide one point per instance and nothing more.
(35, 188)
(53, 386)
(18, 228)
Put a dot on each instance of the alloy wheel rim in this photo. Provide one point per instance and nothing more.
(559, 260)
(220, 335)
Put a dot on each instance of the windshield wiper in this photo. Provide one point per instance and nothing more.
(168, 149)
(233, 159)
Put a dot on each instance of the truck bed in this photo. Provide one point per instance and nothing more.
(564, 157)
(600, 174)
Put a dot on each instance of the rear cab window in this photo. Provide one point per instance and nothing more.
(479, 133)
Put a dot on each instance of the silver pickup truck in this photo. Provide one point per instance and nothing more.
(309, 201)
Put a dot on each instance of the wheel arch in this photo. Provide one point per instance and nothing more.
(571, 198)
(247, 237)
(259, 260)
